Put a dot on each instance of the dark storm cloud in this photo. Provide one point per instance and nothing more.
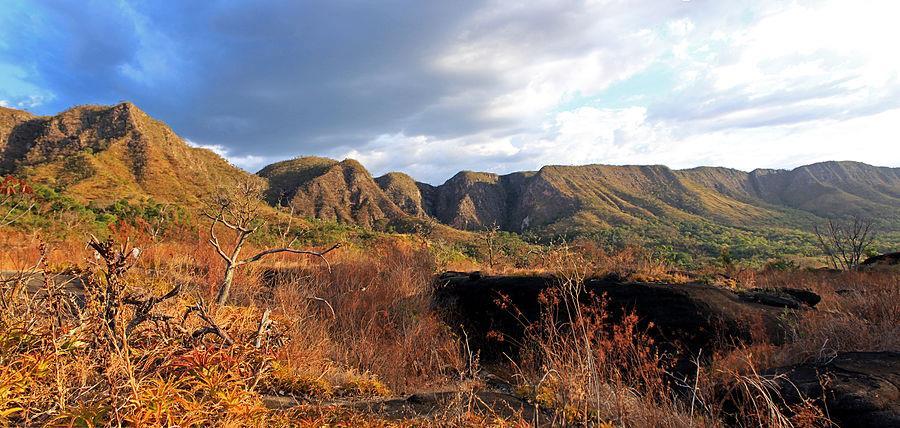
(281, 78)
(431, 87)
(258, 77)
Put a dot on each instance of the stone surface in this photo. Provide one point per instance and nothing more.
(856, 389)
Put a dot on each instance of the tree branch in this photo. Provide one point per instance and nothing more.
(211, 328)
(319, 254)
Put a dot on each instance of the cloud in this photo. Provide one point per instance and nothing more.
(628, 137)
(800, 61)
(435, 87)
(247, 162)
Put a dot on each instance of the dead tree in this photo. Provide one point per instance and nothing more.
(143, 308)
(239, 211)
(202, 311)
(845, 243)
(118, 259)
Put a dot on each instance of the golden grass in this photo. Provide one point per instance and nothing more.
(365, 328)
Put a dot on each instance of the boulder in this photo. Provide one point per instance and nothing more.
(682, 318)
(882, 261)
(858, 389)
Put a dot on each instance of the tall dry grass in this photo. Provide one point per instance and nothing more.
(859, 311)
(362, 327)
(585, 369)
(371, 312)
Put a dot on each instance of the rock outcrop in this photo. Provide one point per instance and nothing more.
(855, 389)
(882, 261)
(681, 317)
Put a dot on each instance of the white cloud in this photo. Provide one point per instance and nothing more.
(794, 83)
(544, 52)
(800, 61)
(250, 163)
(626, 136)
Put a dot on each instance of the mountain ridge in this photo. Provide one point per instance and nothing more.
(559, 197)
(104, 153)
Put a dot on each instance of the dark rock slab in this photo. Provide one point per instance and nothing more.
(856, 389)
(683, 318)
(791, 298)
(882, 261)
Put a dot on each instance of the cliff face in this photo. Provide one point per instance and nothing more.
(104, 153)
(470, 200)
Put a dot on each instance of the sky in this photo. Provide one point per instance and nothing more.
(434, 87)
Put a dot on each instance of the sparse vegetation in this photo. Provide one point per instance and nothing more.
(125, 301)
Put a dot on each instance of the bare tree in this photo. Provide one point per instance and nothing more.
(845, 242)
(239, 210)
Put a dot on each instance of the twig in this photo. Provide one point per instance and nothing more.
(263, 326)
(211, 328)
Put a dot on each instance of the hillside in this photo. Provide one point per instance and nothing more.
(702, 207)
(322, 188)
(105, 153)
(403, 191)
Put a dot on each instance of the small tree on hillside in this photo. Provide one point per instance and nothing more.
(846, 242)
(238, 209)
(491, 241)
(16, 200)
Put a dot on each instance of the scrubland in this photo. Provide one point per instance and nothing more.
(307, 342)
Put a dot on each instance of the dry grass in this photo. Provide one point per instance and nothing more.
(365, 328)
(59, 365)
(860, 311)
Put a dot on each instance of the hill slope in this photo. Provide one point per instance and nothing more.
(105, 153)
(567, 199)
(404, 191)
(326, 189)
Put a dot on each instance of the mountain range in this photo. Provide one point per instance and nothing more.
(105, 153)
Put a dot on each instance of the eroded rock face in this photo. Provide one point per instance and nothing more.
(684, 318)
(856, 389)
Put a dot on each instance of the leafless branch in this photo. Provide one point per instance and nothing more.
(319, 254)
(845, 243)
(144, 306)
(211, 328)
(264, 323)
